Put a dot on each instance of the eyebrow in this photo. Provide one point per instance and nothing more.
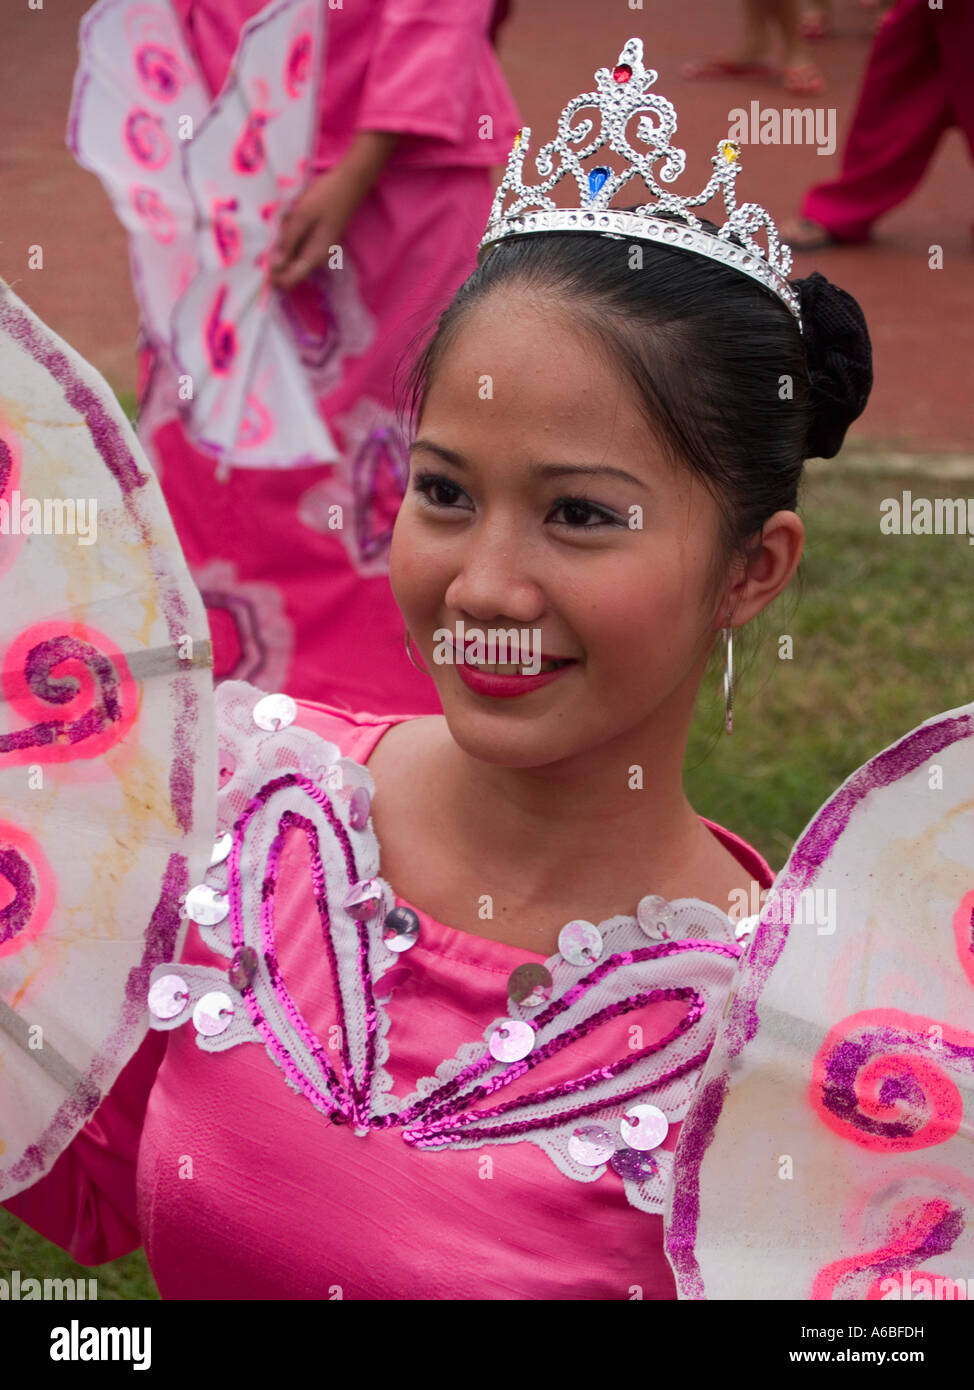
(538, 470)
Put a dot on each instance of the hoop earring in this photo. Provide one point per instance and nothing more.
(728, 679)
(421, 669)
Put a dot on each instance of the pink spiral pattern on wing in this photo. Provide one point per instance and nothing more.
(146, 139)
(26, 888)
(929, 1228)
(158, 71)
(881, 1079)
(73, 688)
(153, 213)
(257, 424)
(964, 934)
(297, 65)
(249, 153)
(219, 335)
(226, 232)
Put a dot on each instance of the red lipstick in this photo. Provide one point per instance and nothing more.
(505, 687)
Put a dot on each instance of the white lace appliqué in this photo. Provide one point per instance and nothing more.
(290, 780)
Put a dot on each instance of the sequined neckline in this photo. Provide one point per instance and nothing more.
(466, 947)
(278, 779)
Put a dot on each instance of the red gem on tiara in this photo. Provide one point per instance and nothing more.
(622, 73)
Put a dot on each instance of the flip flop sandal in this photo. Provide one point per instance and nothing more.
(724, 67)
(803, 80)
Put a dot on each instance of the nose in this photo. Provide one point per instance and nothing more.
(493, 582)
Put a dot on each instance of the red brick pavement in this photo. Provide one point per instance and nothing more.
(921, 319)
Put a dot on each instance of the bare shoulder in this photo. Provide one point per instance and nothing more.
(406, 746)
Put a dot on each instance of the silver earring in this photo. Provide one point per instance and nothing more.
(421, 669)
(728, 678)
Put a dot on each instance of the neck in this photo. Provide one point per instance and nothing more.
(597, 825)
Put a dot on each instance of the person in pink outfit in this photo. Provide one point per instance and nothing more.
(332, 1130)
(414, 113)
(917, 85)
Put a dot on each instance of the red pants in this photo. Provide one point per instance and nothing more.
(918, 83)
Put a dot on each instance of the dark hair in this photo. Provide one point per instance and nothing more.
(728, 382)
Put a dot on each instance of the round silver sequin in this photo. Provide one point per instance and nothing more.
(243, 967)
(591, 1145)
(511, 1040)
(644, 1127)
(213, 1013)
(530, 984)
(275, 712)
(362, 899)
(635, 1164)
(358, 809)
(580, 942)
(317, 761)
(655, 916)
(221, 849)
(206, 905)
(400, 930)
(168, 995)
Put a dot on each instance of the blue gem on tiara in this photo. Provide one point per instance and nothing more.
(596, 178)
(622, 93)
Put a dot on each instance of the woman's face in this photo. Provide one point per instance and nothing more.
(529, 456)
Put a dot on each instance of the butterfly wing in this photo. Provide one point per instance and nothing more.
(107, 743)
(138, 97)
(251, 401)
(829, 1152)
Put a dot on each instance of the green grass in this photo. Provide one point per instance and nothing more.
(36, 1258)
(881, 633)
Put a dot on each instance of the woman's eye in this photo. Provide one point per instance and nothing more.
(427, 484)
(582, 515)
(441, 493)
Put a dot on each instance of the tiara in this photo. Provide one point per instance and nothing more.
(623, 92)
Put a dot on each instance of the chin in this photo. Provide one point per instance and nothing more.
(508, 738)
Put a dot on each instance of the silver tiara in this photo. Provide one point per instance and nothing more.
(623, 92)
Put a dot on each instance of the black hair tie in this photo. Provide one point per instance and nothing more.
(840, 362)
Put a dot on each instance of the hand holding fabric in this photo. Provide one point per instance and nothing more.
(319, 216)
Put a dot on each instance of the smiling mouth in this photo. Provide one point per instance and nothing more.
(510, 669)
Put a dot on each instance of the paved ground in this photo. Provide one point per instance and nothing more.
(922, 320)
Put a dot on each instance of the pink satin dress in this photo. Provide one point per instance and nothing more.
(240, 1189)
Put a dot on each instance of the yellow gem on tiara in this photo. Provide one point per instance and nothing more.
(636, 125)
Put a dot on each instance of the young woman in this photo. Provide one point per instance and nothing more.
(603, 458)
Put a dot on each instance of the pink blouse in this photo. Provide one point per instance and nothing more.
(424, 68)
(239, 1188)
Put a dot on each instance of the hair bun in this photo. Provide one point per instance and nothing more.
(840, 362)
